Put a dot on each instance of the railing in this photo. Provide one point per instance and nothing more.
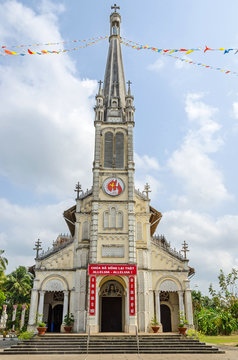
(88, 338)
(137, 341)
(161, 241)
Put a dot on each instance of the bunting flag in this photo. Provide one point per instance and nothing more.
(6, 52)
(186, 51)
(53, 43)
(169, 52)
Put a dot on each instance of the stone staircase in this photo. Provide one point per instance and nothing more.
(110, 344)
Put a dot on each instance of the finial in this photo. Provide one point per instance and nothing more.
(185, 249)
(147, 190)
(115, 7)
(78, 190)
(100, 87)
(37, 247)
(129, 87)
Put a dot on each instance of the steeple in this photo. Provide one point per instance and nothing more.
(114, 89)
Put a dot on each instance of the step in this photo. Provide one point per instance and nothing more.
(110, 344)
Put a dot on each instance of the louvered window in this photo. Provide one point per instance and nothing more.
(114, 150)
(119, 150)
(108, 150)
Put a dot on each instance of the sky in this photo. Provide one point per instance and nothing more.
(186, 122)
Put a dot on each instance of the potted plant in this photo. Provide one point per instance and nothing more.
(182, 323)
(68, 322)
(41, 328)
(154, 324)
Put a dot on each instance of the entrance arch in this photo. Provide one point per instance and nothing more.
(111, 307)
(165, 318)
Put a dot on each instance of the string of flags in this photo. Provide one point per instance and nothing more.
(27, 49)
(5, 50)
(182, 50)
(169, 52)
(54, 43)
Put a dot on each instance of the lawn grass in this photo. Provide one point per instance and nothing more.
(221, 339)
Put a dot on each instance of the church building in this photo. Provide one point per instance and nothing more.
(112, 272)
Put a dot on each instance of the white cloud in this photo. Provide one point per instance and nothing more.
(147, 169)
(207, 238)
(203, 182)
(156, 66)
(47, 119)
(21, 226)
(146, 162)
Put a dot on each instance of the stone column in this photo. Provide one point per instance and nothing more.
(66, 302)
(41, 306)
(14, 314)
(23, 312)
(181, 303)
(3, 321)
(189, 307)
(33, 310)
(157, 306)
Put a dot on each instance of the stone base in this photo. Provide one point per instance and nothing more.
(93, 329)
(32, 328)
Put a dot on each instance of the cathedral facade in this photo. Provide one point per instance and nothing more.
(112, 273)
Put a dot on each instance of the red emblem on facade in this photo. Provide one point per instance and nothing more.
(113, 186)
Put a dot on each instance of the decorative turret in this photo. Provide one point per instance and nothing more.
(99, 108)
(130, 109)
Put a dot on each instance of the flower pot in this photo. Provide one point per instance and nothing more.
(41, 330)
(182, 330)
(67, 329)
(155, 328)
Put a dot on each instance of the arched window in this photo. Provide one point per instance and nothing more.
(139, 231)
(106, 219)
(108, 150)
(119, 150)
(113, 218)
(85, 231)
(120, 220)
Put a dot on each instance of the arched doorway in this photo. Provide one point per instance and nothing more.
(111, 306)
(165, 314)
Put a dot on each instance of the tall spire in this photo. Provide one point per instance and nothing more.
(114, 79)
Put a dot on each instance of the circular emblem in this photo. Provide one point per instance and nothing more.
(113, 186)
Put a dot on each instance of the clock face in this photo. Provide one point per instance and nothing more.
(113, 186)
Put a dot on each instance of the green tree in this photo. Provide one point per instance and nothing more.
(3, 261)
(218, 314)
(18, 286)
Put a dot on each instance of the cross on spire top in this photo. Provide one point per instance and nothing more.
(147, 190)
(78, 188)
(37, 247)
(185, 249)
(115, 7)
(129, 86)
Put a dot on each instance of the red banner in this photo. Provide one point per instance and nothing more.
(111, 269)
(132, 302)
(92, 300)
